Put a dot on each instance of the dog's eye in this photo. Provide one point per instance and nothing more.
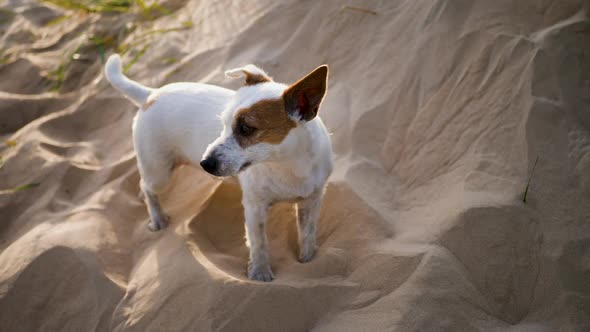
(245, 130)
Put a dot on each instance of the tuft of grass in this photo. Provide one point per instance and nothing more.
(183, 26)
(26, 186)
(11, 143)
(142, 38)
(4, 58)
(94, 6)
(147, 11)
(57, 20)
(57, 76)
(138, 55)
(168, 60)
(526, 189)
(359, 9)
(187, 24)
(102, 44)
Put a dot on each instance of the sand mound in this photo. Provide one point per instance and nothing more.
(438, 110)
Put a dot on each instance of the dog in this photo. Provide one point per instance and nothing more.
(275, 143)
(271, 139)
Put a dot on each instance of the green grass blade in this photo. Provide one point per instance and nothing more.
(57, 20)
(94, 6)
(26, 186)
(135, 58)
(101, 50)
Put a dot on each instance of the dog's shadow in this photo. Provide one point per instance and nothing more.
(216, 234)
(210, 220)
(216, 238)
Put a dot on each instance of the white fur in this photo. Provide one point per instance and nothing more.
(181, 121)
(136, 92)
(246, 70)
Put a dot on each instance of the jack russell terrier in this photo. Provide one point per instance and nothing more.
(271, 138)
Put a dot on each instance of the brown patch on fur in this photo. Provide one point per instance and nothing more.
(252, 79)
(148, 103)
(270, 120)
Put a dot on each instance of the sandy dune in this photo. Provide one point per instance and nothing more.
(438, 110)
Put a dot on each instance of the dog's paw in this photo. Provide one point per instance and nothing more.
(260, 273)
(158, 224)
(307, 254)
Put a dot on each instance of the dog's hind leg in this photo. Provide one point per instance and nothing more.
(308, 212)
(158, 219)
(155, 169)
(155, 175)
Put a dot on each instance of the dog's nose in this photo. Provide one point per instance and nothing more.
(209, 165)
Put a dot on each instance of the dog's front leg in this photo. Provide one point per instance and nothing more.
(258, 266)
(308, 212)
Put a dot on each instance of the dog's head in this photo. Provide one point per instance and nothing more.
(259, 122)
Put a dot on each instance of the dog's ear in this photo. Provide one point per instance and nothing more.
(303, 99)
(254, 75)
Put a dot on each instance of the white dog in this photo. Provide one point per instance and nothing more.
(270, 137)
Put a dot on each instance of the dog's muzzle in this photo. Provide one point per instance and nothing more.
(210, 165)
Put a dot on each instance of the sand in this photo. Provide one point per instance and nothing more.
(438, 111)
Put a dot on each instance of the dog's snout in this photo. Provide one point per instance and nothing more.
(209, 165)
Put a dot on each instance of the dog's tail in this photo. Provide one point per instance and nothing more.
(136, 92)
